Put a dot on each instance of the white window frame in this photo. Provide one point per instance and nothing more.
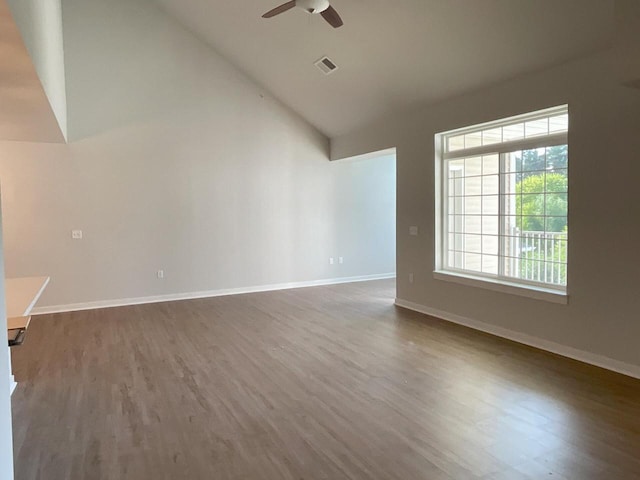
(501, 283)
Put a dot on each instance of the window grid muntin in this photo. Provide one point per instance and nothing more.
(553, 275)
(472, 225)
(540, 115)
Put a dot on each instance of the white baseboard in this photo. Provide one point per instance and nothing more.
(563, 350)
(203, 294)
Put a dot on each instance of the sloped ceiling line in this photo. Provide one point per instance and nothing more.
(394, 55)
(26, 113)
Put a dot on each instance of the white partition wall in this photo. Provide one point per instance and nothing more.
(6, 385)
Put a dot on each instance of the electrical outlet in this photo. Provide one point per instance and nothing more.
(411, 278)
(330, 260)
(76, 234)
(413, 230)
(160, 274)
(340, 259)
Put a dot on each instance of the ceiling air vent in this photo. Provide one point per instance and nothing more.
(326, 65)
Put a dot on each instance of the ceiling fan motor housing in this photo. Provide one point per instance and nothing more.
(313, 6)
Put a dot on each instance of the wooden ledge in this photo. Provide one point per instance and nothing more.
(16, 323)
(21, 296)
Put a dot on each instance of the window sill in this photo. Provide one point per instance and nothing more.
(538, 293)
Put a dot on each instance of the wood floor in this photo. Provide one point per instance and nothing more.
(317, 383)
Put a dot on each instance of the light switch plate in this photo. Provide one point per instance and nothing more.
(413, 230)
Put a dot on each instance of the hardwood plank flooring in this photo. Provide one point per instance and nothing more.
(317, 383)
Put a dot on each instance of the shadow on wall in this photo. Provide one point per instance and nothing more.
(364, 209)
(130, 64)
(25, 112)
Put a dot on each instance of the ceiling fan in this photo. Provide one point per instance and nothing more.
(310, 6)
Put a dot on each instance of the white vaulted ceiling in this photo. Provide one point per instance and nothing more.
(393, 54)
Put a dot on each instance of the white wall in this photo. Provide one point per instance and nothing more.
(604, 212)
(178, 162)
(40, 24)
(6, 439)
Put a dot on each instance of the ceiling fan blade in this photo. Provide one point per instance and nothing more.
(332, 17)
(281, 9)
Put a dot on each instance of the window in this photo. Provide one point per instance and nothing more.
(502, 201)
